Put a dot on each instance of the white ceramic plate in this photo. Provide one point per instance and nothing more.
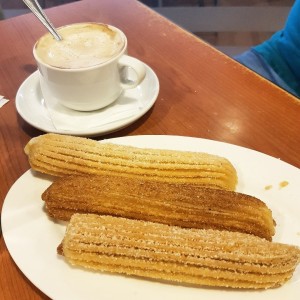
(31, 106)
(31, 237)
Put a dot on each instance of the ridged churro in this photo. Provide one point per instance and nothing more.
(193, 256)
(62, 155)
(173, 204)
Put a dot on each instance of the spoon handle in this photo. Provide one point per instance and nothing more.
(34, 6)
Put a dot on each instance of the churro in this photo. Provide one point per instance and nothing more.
(190, 256)
(62, 155)
(173, 204)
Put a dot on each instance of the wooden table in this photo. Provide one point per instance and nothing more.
(203, 94)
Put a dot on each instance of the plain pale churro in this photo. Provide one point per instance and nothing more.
(62, 155)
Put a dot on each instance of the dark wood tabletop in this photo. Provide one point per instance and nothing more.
(203, 93)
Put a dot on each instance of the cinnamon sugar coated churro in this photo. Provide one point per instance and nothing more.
(193, 256)
(174, 204)
(62, 155)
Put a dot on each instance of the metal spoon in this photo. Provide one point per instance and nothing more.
(34, 6)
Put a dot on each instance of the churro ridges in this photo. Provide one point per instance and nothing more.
(205, 257)
(173, 204)
(64, 155)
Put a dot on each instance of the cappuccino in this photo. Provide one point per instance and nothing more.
(84, 45)
(84, 71)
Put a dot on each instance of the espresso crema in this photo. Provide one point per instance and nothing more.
(83, 45)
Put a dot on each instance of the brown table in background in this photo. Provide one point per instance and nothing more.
(203, 94)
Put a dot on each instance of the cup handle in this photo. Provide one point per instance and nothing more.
(127, 63)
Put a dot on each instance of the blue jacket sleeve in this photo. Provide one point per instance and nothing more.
(282, 50)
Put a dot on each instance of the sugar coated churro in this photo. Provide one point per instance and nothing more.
(183, 205)
(202, 257)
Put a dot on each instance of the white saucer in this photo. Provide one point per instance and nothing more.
(32, 108)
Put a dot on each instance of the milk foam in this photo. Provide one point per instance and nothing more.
(83, 45)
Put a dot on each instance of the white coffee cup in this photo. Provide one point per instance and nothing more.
(86, 70)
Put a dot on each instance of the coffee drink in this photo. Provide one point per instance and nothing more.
(84, 45)
(87, 69)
